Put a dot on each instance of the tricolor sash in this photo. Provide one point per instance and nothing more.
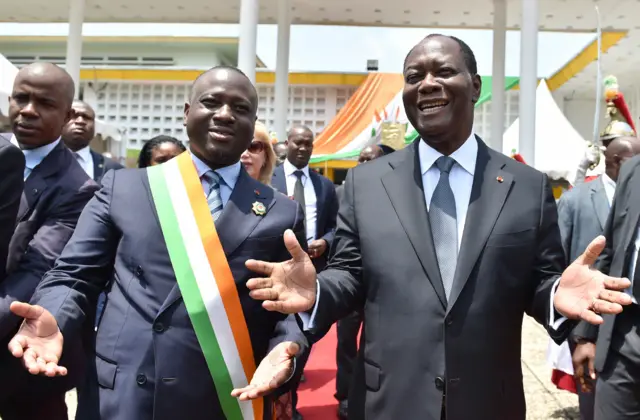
(205, 281)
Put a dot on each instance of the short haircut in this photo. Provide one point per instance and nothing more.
(467, 53)
(216, 68)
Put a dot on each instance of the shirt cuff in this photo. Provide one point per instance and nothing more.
(553, 322)
(308, 320)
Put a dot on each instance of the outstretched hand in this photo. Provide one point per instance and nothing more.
(585, 293)
(290, 286)
(272, 373)
(38, 341)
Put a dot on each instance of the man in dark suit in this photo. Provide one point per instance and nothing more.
(149, 360)
(56, 189)
(317, 195)
(77, 135)
(617, 356)
(582, 214)
(11, 186)
(314, 192)
(444, 246)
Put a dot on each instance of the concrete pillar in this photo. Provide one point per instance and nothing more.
(528, 79)
(249, 13)
(498, 73)
(282, 69)
(74, 42)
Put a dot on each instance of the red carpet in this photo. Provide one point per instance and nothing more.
(316, 401)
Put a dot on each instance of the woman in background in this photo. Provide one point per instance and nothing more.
(159, 150)
(259, 159)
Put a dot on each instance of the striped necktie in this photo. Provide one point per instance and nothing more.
(214, 199)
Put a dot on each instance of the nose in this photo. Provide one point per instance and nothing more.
(429, 84)
(29, 110)
(223, 113)
(245, 156)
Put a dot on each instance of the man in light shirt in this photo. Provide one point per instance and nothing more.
(77, 135)
(582, 215)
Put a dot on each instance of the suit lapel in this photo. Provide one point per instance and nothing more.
(491, 185)
(404, 188)
(234, 225)
(279, 180)
(37, 181)
(633, 212)
(599, 200)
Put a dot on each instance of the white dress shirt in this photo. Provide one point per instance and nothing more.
(33, 157)
(84, 158)
(310, 199)
(229, 175)
(609, 188)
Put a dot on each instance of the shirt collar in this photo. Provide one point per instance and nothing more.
(229, 174)
(608, 181)
(465, 156)
(289, 169)
(85, 153)
(33, 157)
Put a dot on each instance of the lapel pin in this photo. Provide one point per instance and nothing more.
(259, 208)
(500, 179)
(256, 192)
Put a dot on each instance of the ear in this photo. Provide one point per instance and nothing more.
(186, 113)
(476, 81)
(70, 115)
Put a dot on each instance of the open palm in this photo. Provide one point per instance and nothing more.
(272, 373)
(290, 286)
(584, 292)
(38, 341)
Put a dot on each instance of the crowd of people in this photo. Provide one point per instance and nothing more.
(195, 285)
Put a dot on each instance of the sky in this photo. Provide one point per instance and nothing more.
(342, 49)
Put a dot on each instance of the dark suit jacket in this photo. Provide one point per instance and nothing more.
(413, 338)
(326, 205)
(54, 195)
(148, 359)
(620, 231)
(582, 214)
(11, 186)
(102, 165)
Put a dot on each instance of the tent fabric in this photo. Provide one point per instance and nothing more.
(377, 100)
(559, 148)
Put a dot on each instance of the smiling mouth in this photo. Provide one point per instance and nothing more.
(432, 106)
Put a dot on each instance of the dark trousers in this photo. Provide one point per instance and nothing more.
(301, 362)
(346, 353)
(618, 385)
(50, 408)
(586, 400)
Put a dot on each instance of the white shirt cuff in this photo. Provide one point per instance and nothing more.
(308, 320)
(553, 322)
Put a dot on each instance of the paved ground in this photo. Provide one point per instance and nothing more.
(544, 400)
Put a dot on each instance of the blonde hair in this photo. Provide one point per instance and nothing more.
(261, 134)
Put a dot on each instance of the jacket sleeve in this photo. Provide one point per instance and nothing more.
(42, 252)
(332, 212)
(11, 187)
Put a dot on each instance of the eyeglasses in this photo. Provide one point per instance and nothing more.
(256, 147)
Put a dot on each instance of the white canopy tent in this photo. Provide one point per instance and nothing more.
(559, 148)
(113, 136)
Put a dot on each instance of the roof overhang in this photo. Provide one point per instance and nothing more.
(559, 15)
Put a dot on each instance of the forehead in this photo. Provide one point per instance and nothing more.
(38, 82)
(224, 81)
(301, 134)
(438, 49)
(82, 109)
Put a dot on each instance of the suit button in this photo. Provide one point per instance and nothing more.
(439, 384)
(141, 379)
(158, 327)
(138, 271)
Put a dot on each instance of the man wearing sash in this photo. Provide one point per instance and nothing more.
(179, 332)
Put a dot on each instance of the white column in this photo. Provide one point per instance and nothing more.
(498, 73)
(74, 41)
(249, 13)
(528, 79)
(282, 69)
